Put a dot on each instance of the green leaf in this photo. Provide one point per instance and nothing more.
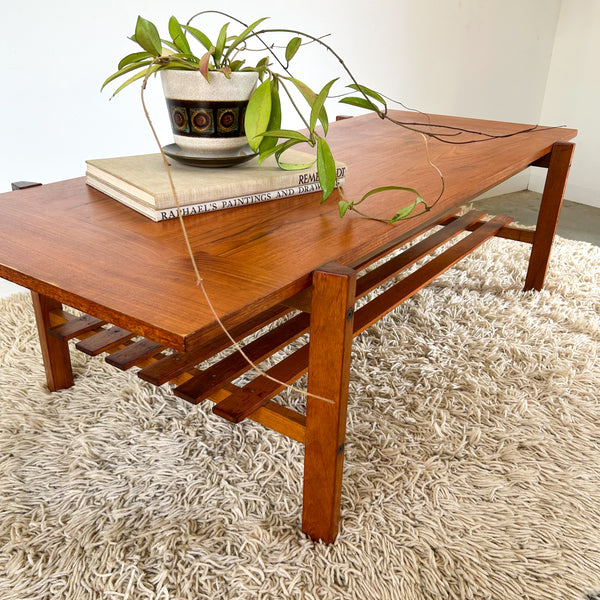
(291, 134)
(236, 65)
(263, 63)
(274, 120)
(133, 58)
(201, 37)
(278, 150)
(124, 70)
(407, 210)
(226, 71)
(360, 102)
(258, 114)
(286, 166)
(310, 97)
(318, 104)
(151, 69)
(242, 37)
(404, 212)
(292, 48)
(325, 168)
(178, 36)
(220, 45)
(388, 188)
(343, 206)
(369, 92)
(170, 45)
(308, 94)
(191, 59)
(146, 35)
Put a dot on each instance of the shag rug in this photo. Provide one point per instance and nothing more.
(472, 467)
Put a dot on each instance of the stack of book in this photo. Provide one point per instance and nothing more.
(141, 182)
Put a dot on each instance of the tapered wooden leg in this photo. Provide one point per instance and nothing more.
(331, 325)
(552, 198)
(55, 352)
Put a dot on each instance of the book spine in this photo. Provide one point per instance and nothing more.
(202, 207)
(206, 193)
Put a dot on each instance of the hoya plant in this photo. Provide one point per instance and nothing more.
(189, 48)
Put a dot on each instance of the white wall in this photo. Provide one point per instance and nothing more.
(572, 96)
(481, 58)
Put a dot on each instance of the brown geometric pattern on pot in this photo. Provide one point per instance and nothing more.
(207, 119)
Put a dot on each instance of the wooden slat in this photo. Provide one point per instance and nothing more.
(246, 400)
(202, 385)
(409, 257)
(133, 354)
(75, 327)
(410, 285)
(508, 232)
(175, 364)
(58, 316)
(243, 402)
(377, 276)
(384, 251)
(104, 340)
(282, 419)
(279, 418)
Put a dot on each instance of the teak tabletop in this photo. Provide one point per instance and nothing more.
(70, 241)
(70, 244)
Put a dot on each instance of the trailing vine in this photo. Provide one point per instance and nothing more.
(264, 114)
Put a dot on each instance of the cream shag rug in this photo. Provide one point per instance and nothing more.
(472, 468)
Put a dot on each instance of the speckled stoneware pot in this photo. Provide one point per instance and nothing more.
(207, 117)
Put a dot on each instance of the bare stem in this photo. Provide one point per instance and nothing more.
(199, 280)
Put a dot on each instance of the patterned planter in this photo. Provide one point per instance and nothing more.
(207, 117)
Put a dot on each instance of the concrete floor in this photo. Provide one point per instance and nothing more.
(577, 221)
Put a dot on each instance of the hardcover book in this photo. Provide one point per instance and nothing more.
(202, 207)
(144, 178)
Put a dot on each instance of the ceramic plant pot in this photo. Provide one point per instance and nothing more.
(207, 117)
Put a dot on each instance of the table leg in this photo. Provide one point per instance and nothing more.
(55, 352)
(552, 198)
(331, 325)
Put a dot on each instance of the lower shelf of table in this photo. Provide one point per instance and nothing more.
(278, 328)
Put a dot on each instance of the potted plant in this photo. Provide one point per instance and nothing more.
(219, 101)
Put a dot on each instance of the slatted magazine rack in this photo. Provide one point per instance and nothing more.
(254, 400)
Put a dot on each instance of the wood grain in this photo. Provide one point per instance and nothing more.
(75, 327)
(552, 198)
(331, 327)
(386, 301)
(72, 243)
(55, 351)
(245, 401)
(232, 366)
(103, 341)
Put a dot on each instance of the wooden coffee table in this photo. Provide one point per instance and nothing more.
(295, 258)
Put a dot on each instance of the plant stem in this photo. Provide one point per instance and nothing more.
(171, 182)
(280, 80)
